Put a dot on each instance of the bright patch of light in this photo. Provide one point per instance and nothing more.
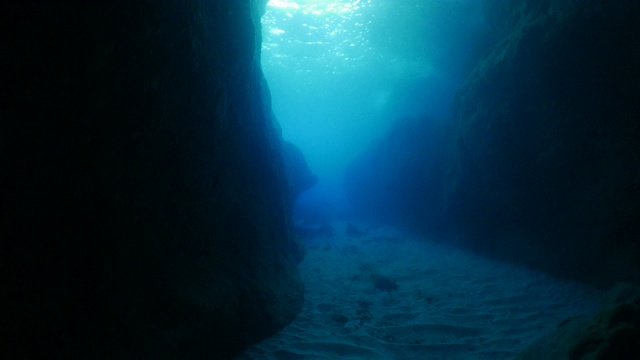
(318, 7)
(283, 4)
(320, 34)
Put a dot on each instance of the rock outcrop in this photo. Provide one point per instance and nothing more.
(542, 166)
(144, 211)
(545, 167)
(611, 334)
(299, 175)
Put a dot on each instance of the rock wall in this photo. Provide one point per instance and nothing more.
(545, 167)
(542, 165)
(299, 175)
(144, 206)
(610, 334)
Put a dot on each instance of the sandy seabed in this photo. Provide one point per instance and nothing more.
(449, 303)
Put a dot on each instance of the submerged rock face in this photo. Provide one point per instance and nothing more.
(144, 210)
(545, 167)
(611, 334)
(299, 175)
(542, 165)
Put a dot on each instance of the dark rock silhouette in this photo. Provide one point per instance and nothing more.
(611, 334)
(539, 163)
(144, 211)
(299, 176)
(544, 166)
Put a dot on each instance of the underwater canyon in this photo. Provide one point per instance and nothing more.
(148, 191)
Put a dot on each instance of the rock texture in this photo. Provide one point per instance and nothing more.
(545, 166)
(144, 211)
(542, 165)
(299, 175)
(611, 334)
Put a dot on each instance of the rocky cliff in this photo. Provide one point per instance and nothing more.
(545, 167)
(542, 165)
(144, 207)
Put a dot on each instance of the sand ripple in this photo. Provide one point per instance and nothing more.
(449, 304)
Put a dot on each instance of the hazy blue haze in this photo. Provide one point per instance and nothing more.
(342, 71)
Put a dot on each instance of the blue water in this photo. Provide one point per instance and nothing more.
(341, 72)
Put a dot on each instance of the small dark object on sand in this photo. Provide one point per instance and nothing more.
(340, 319)
(384, 283)
(353, 231)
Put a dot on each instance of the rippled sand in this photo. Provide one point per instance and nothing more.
(449, 304)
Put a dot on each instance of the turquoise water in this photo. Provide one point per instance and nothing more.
(341, 72)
